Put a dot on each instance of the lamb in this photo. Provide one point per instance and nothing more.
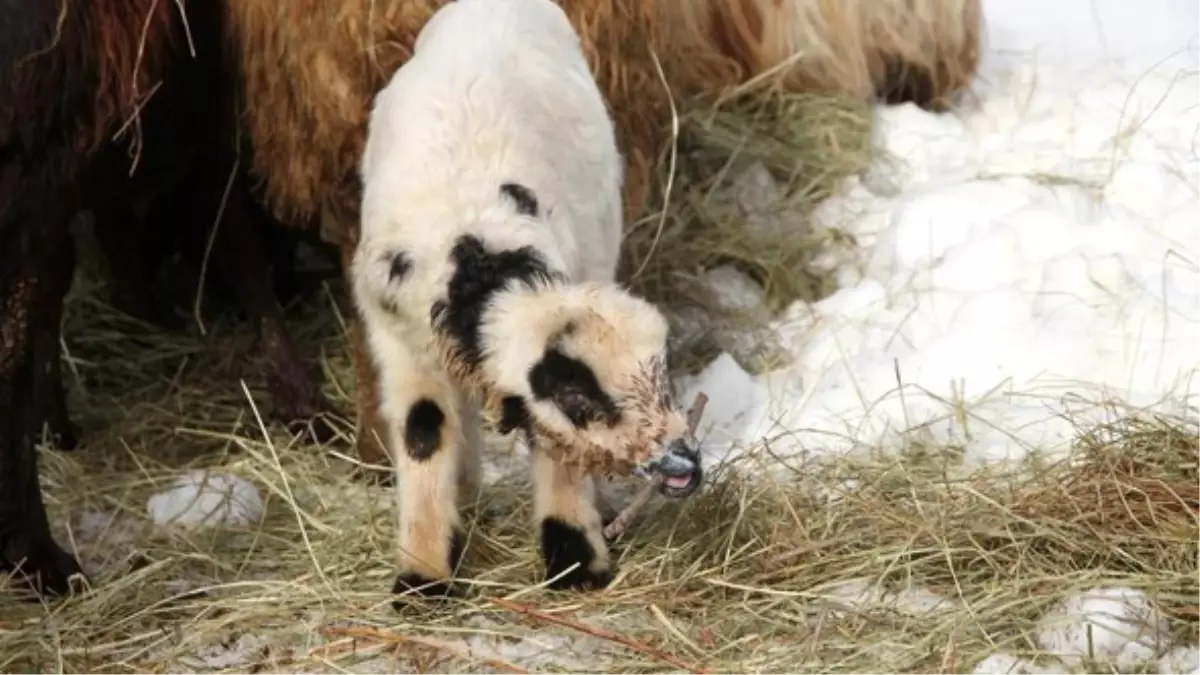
(306, 88)
(485, 275)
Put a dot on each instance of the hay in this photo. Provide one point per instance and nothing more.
(749, 575)
(750, 171)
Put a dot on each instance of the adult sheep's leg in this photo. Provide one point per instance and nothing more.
(241, 259)
(50, 397)
(27, 548)
(422, 412)
(570, 526)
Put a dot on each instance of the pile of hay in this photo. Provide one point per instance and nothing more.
(730, 242)
(887, 562)
(881, 563)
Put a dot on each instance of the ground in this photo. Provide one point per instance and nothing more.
(974, 450)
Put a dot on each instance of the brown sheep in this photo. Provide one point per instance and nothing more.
(307, 85)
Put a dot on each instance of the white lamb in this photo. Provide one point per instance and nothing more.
(485, 272)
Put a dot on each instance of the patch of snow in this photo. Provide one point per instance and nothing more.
(1003, 663)
(1032, 255)
(1180, 661)
(203, 499)
(1135, 35)
(733, 290)
(105, 538)
(863, 594)
(736, 408)
(1111, 625)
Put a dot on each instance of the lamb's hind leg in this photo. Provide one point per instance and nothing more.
(570, 527)
(423, 416)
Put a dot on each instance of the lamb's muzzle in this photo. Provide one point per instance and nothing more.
(678, 467)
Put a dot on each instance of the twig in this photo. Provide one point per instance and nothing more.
(396, 638)
(600, 633)
(621, 523)
(208, 247)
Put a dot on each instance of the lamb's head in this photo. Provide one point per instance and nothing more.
(581, 369)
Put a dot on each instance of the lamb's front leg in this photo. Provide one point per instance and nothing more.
(570, 526)
(423, 415)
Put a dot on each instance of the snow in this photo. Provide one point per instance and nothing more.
(863, 594)
(1033, 254)
(1113, 628)
(1181, 660)
(203, 499)
(1110, 625)
(1003, 663)
(1136, 35)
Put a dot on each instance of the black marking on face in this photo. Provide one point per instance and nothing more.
(564, 545)
(523, 197)
(399, 265)
(423, 429)
(514, 415)
(479, 274)
(416, 584)
(573, 387)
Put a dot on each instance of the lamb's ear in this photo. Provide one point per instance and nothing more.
(572, 386)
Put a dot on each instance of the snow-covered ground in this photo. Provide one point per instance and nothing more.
(1035, 252)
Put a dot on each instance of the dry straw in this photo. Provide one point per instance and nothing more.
(752, 574)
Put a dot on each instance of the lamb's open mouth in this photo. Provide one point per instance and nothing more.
(679, 469)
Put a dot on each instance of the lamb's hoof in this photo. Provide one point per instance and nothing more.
(411, 586)
(40, 565)
(563, 546)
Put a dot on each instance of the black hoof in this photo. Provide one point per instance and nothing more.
(565, 546)
(411, 586)
(41, 566)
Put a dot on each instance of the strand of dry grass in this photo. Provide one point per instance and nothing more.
(600, 633)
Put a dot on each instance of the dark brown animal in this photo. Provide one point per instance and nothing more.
(101, 102)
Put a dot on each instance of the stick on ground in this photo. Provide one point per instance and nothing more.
(621, 523)
(602, 634)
